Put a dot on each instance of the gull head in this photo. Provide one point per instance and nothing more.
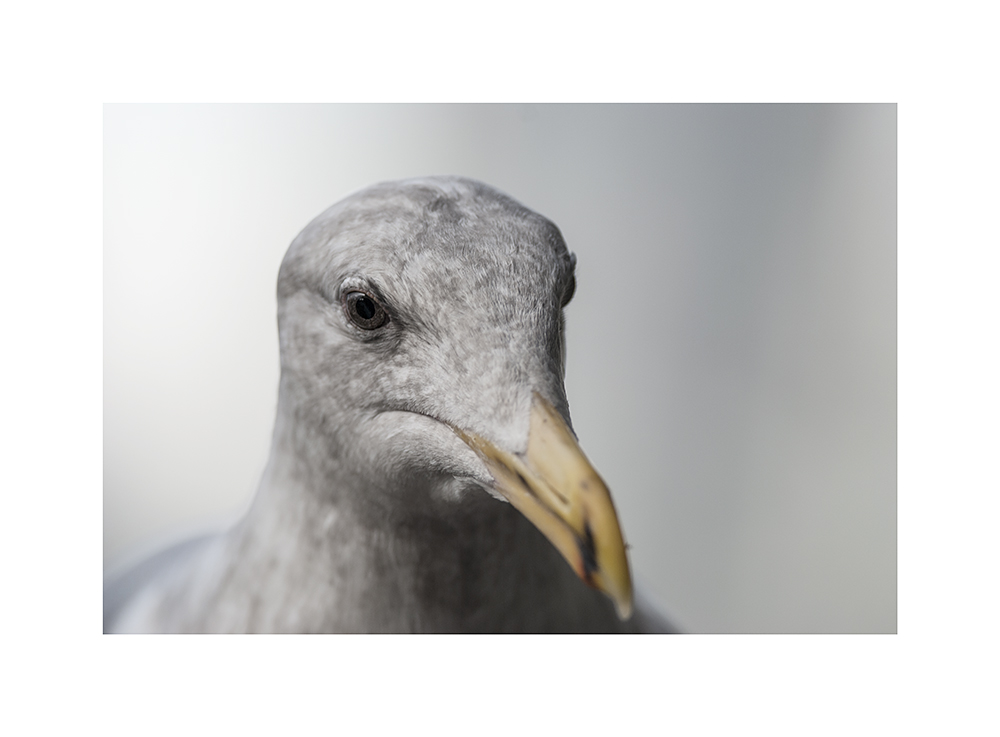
(422, 362)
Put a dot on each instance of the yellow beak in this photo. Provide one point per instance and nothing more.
(556, 488)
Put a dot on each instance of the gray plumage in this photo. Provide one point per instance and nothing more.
(372, 515)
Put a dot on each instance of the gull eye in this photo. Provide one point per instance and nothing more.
(570, 290)
(364, 310)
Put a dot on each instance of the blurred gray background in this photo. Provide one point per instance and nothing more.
(731, 346)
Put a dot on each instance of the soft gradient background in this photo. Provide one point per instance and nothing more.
(732, 342)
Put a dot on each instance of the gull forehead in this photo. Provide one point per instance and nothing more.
(457, 232)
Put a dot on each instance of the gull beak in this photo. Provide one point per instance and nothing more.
(556, 488)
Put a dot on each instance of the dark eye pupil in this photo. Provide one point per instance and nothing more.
(365, 308)
(364, 311)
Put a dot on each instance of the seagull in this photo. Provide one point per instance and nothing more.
(423, 473)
